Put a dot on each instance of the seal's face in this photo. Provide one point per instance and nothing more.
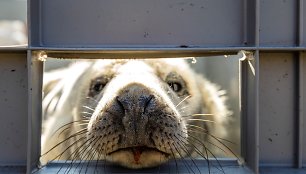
(137, 113)
(138, 119)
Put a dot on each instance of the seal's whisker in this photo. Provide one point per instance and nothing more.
(104, 155)
(68, 124)
(219, 140)
(70, 128)
(87, 107)
(207, 132)
(193, 128)
(79, 152)
(182, 108)
(88, 113)
(205, 156)
(185, 162)
(196, 115)
(198, 119)
(174, 157)
(73, 152)
(202, 115)
(90, 156)
(206, 151)
(76, 152)
(92, 99)
(81, 157)
(185, 149)
(86, 117)
(84, 151)
(82, 124)
(71, 136)
(98, 158)
(189, 142)
(209, 142)
(182, 101)
(59, 155)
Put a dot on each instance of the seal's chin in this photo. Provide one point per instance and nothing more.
(138, 157)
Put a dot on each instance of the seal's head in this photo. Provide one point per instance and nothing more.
(137, 112)
(139, 108)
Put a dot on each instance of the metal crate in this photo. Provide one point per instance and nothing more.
(272, 103)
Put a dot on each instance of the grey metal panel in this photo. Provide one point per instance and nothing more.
(304, 22)
(250, 23)
(277, 109)
(304, 107)
(33, 22)
(13, 10)
(13, 110)
(75, 23)
(278, 22)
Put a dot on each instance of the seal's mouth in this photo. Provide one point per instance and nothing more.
(137, 151)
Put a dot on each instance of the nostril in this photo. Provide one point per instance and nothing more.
(148, 103)
(120, 104)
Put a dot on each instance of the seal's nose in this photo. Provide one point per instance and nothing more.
(135, 102)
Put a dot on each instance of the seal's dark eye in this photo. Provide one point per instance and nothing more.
(177, 87)
(98, 86)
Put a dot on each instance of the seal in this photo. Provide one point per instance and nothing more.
(136, 113)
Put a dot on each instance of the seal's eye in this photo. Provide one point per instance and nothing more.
(98, 86)
(177, 84)
(177, 87)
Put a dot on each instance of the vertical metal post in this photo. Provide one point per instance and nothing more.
(300, 115)
(256, 92)
(249, 90)
(35, 78)
(29, 131)
(301, 22)
(30, 113)
(256, 125)
(300, 120)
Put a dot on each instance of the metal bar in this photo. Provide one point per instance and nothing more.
(29, 55)
(148, 49)
(281, 48)
(29, 21)
(301, 22)
(197, 48)
(135, 54)
(243, 108)
(13, 48)
(300, 112)
(145, 48)
(300, 87)
(256, 124)
(30, 113)
(256, 97)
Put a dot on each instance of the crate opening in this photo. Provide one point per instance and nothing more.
(140, 113)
